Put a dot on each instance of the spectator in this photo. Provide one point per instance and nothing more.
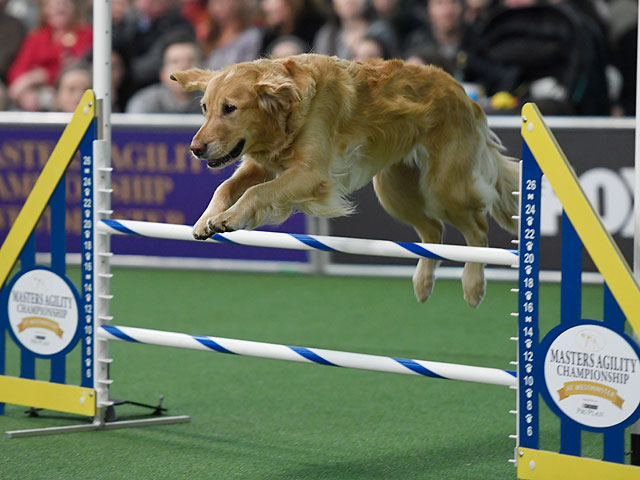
(119, 9)
(597, 11)
(623, 40)
(62, 40)
(27, 11)
(195, 11)
(168, 96)
(300, 18)
(232, 38)
(352, 20)
(13, 33)
(445, 29)
(142, 35)
(548, 53)
(477, 10)
(372, 46)
(430, 55)
(119, 79)
(518, 3)
(4, 98)
(403, 16)
(285, 46)
(31, 93)
(72, 84)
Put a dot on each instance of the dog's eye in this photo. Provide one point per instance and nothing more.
(227, 108)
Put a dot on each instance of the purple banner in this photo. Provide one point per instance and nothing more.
(154, 179)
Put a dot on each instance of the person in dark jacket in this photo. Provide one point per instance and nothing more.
(13, 33)
(444, 31)
(551, 54)
(168, 96)
(299, 18)
(143, 34)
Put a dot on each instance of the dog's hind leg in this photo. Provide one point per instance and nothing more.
(398, 191)
(474, 226)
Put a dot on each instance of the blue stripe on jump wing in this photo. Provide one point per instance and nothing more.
(207, 342)
(312, 242)
(418, 250)
(314, 357)
(416, 367)
(116, 332)
(119, 227)
(512, 373)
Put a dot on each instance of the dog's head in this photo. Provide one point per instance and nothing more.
(247, 108)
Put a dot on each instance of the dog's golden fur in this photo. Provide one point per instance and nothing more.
(312, 129)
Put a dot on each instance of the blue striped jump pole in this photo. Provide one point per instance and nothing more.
(450, 371)
(294, 241)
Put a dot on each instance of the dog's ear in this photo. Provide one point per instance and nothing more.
(302, 77)
(193, 79)
(277, 93)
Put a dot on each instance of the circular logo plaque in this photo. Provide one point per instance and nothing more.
(593, 375)
(43, 312)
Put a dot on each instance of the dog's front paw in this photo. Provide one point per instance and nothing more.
(226, 221)
(201, 229)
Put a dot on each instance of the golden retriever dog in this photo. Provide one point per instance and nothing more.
(312, 129)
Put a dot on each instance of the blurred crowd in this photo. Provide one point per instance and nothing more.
(572, 57)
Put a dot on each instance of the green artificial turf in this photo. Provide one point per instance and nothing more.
(268, 419)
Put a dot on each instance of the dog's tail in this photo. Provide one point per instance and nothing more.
(506, 205)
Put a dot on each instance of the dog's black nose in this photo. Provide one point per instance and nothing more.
(198, 148)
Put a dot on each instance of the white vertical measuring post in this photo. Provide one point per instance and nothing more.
(101, 198)
(102, 210)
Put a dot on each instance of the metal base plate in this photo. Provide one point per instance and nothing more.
(98, 426)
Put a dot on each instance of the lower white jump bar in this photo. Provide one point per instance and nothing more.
(492, 376)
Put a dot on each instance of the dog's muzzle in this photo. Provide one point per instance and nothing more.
(228, 158)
